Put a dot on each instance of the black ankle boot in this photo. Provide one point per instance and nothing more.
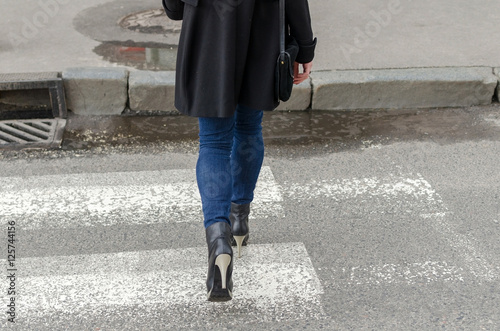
(220, 262)
(239, 225)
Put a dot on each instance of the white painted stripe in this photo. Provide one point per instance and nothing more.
(466, 246)
(278, 281)
(343, 189)
(420, 196)
(172, 196)
(410, 274)
(116, 198)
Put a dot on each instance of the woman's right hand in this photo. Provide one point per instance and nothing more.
(301, 76)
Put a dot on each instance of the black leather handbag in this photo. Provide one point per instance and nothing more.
(289, 48)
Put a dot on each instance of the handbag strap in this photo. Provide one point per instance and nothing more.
(282, 26)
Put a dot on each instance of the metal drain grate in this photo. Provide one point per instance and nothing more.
(38, 80)
(32, 133)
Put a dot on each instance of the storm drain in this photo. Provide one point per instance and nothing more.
(43, 133)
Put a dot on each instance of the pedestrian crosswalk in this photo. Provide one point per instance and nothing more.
(274, 281)
(143, 197)
(273, 277)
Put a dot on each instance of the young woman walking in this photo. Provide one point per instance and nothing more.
(226, 77)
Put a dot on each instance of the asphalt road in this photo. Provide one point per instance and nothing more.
(363, 220)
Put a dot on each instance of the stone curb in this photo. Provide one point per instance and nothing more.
(96, 91)
(403, 88)
(155, 91)
(300, 99)
(107, 91)
(152, 91)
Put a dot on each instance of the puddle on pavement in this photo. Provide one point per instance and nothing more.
(337, 130)
(139, 57)
(144, 55)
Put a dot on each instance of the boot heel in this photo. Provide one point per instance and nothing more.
(239, 243)
(223, 261)
(239, 224)
(220, 262)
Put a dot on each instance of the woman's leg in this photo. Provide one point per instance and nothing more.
(228, 171)
(246, 160)
(247, 153)
(213, 174)
(213, 169)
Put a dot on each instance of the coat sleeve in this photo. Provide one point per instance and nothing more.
(174, 9)
(299, 20)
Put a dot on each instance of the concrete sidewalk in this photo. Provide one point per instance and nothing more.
(377, 54)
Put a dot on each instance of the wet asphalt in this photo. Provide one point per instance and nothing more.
(398, 211)
(422, 259)
(296, 133)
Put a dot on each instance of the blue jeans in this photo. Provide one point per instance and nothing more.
(229, 161)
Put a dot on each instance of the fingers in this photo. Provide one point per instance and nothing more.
(296, 68)
(306, 71)
(307, 67)
(297, 79)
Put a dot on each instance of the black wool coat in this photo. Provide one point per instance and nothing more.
(228, 50)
